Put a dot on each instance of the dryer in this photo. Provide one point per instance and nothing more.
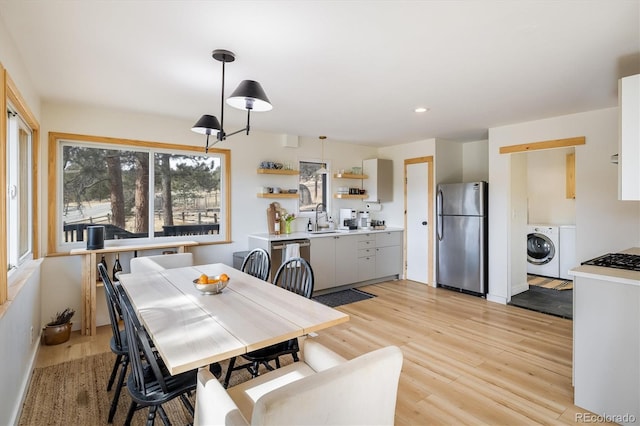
(543, 250)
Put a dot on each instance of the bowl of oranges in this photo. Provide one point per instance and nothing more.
(211, 284)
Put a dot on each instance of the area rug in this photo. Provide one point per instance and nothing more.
(74, 393)
(552, 283)
(343, 297)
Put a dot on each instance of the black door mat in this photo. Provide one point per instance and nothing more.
(545, 300)
(343, 297)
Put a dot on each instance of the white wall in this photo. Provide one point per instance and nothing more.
(475, 161)
(518, 241)
(546, 188)
(248, 211)
(603, 224)
(22, 312)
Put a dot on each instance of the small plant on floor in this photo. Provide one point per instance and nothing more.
(61, 318)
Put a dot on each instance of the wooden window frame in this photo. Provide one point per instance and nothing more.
(53, 236)
(9, 93)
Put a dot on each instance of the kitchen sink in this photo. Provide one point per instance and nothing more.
(328, 231)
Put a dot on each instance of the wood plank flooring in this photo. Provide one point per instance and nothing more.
(466, 360)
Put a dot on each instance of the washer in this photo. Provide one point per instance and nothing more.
(543, 250)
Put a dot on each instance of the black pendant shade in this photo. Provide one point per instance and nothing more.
(207, 125)
(248, 96)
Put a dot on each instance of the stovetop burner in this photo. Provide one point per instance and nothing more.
(629, 262)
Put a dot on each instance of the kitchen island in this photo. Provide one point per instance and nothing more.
(606, 332)
(342, 259)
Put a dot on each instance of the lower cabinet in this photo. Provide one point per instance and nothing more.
(388, 254)
(323, 262)
(340, 260)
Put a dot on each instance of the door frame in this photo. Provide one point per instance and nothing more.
(430, 194)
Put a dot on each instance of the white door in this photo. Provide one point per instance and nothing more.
(418, 195)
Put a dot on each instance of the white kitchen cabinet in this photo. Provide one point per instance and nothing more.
(366, 257)
(379, 186)
(388, 254)
(606, 348)
(323, 262)
(361, 257)
(629, 138)
(346, 255)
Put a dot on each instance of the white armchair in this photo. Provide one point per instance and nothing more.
(323, 389)
(161, 262)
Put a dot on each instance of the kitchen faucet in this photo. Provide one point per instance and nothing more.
(320, 208)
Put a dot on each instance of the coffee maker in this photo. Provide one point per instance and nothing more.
(348, 219)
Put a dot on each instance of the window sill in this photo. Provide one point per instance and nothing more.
(17, 281)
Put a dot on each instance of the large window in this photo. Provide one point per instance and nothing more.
(140, 190)
(20, 190)
(312, 186)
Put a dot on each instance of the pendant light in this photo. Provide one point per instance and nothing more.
(322, 170)
(249, 95)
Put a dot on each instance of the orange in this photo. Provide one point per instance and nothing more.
(212, 281)
(224, 277)
(203, 279)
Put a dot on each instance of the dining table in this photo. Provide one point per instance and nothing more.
(191, 329)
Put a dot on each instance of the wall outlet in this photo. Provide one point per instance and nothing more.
(31, 335)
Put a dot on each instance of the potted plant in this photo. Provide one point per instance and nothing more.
(58, 330)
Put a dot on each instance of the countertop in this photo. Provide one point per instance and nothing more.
(303, 235)
(621, 276)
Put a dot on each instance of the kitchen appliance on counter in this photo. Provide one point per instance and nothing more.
(462, 227)
(630, 262)
(363, 220)
(348, 219)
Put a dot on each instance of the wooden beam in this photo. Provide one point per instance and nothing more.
(535, 146)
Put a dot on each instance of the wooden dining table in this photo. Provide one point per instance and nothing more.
(191, 329)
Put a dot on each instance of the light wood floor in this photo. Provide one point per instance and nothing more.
(466, 360)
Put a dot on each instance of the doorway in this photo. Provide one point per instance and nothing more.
(418, 217)
(542, 201)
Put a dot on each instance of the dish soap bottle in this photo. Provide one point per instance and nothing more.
(309, 226)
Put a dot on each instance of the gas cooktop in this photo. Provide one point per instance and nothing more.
(630, 262)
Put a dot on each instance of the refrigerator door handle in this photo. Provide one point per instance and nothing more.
(439, 228)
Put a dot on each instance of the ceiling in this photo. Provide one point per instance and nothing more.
(352, 70)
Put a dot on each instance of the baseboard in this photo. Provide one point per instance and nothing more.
(497, 299)
(24, 389)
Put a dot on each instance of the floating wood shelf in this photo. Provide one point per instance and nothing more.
(352, 196)
(277, 172)
(349, 176)
(280, 195)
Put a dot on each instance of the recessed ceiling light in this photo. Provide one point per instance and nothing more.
(421, 109)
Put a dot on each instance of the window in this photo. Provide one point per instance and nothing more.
(20, 190)
(140, 190)
(313, 186)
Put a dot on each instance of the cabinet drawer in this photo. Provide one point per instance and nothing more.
(367, 237)
(366, 244)
(384, 239)
(366, 252)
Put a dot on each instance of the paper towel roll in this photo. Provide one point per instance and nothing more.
(374, 207)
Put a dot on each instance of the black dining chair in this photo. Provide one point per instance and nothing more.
(294, 275)
(118, 342)
(149, 383)
(257, 263)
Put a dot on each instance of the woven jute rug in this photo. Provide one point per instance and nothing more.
(74, 393)
(551, 283)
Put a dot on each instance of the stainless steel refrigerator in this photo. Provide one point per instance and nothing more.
(462, 214)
